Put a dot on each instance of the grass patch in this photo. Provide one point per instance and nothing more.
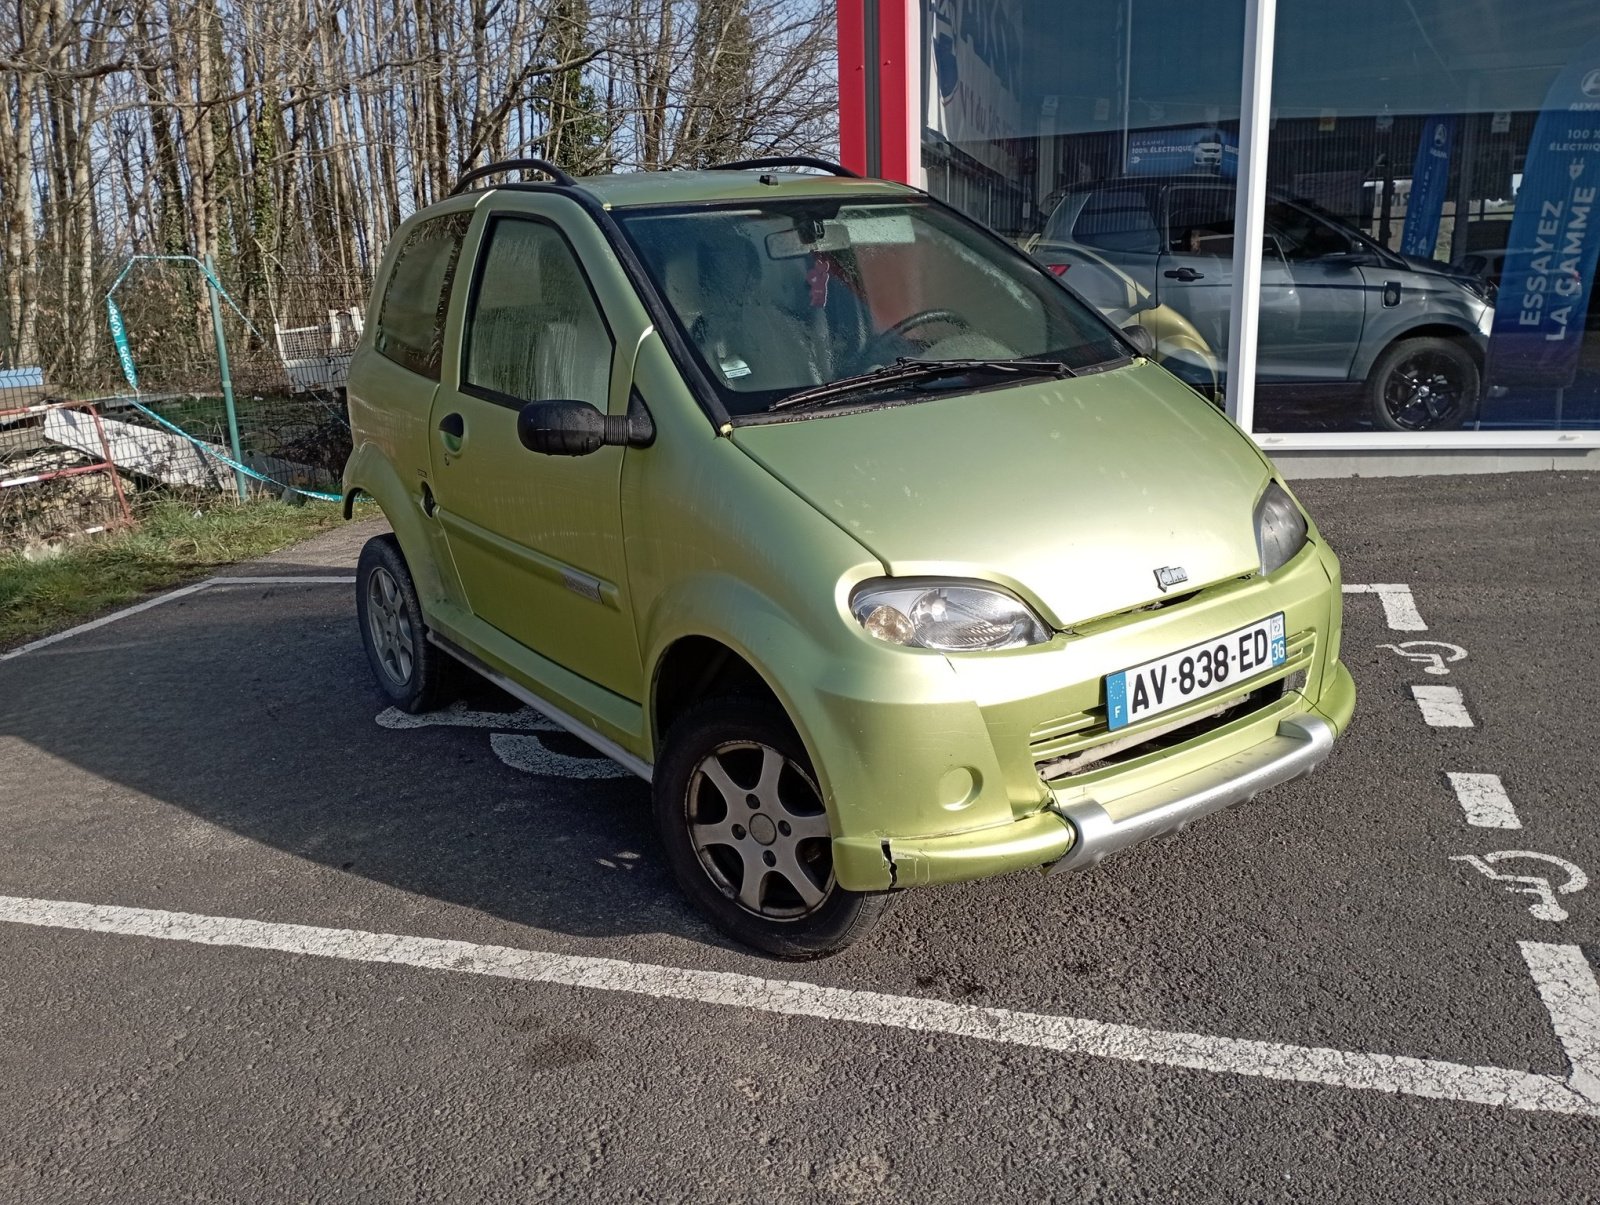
(175, 542)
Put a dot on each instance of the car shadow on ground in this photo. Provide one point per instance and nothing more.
(252, 708)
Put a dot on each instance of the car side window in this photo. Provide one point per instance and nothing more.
(1303, 235)
(1200, 222)
(1118, 219)
(534, 329)
(411, 318)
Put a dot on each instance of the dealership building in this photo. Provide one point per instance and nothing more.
(1369, 228)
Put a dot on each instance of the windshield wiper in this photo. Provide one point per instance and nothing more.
(906, 369)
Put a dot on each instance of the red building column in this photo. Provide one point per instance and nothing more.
(880, 88)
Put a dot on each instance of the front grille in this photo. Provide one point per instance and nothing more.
(1077, 744)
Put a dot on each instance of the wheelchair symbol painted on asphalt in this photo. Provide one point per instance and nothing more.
(518, 742)
(1543, 889)
(1433, 655)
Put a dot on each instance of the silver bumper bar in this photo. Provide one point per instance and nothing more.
(1298, 748)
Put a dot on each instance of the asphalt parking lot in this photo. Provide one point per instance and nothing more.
(262, 940)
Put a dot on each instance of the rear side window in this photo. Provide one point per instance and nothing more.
(411, 319)
(1118, 219)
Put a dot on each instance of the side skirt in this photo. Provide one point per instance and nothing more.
(578, 729)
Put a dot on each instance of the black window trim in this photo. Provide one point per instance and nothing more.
(480, 264)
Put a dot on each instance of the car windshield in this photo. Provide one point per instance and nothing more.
(785, 296)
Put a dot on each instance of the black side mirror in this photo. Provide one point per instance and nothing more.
(573, 428)
(1143, 341)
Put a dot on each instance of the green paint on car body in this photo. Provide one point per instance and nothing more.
(622, 587)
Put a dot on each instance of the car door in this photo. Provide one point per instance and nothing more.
(537, 539)
(1194, 274)
(1333, 294)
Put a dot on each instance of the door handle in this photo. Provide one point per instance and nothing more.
(452, 430)
(1184, 274)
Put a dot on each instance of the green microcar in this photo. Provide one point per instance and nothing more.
(881, 556)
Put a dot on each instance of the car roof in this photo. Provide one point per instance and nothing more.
(628, 189)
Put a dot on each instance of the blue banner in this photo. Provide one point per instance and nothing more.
(119, 336)
(1181, 151)
(1430, 180)
(1555, 237)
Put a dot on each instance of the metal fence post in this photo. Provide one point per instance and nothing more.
(227, 377)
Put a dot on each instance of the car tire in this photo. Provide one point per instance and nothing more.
(1425, 383)
(411, 672)
(737, 858)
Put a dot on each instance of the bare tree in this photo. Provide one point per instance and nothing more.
(288, 138)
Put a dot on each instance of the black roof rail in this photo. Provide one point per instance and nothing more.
(512, 165)
(826, 165)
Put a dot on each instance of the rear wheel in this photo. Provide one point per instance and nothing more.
(1423, 384)
(745, 831)
(409, 670)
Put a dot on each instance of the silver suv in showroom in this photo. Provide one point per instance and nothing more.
(1335, 305)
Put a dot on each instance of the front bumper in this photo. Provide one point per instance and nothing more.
(1075, 831)
(1299, 747)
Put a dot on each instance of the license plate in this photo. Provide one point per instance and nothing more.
(1193, 673)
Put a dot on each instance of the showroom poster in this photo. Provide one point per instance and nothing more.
(976, 54)
(1173, 152)
(1555, 236)
(1430, 182)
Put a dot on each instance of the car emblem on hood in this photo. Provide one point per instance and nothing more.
(1169, 576)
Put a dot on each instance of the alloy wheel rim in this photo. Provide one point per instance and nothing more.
(1423, 391)
(392, 637)
(757, 824)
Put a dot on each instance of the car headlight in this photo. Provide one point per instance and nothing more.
(1280, 528)
(951, 616)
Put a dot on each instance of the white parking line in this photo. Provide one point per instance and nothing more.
(1484, 800)
(1431, 1078)
(173, 596)
(1399, 608)
(288, 579)
(1571, 995)
(45, 641)
(1442, 706)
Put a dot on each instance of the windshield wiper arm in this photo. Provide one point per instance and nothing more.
(905, 369)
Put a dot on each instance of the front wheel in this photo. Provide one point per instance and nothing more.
(1423, 384)
(745, 831)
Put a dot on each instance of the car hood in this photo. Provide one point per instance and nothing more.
(1072, 493)
(1433, 267)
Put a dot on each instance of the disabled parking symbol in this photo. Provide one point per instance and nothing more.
(1543, 888)
(1433, 655)
(520, 742)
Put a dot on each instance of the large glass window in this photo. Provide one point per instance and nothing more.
(1457, 147)
(1061, 126)
(1433, 216)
